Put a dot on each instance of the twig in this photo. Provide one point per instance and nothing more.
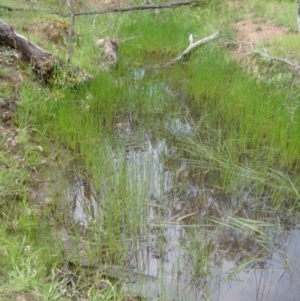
(127, 39)
(197, 44)
(113, 10)
(188, 50)
(95, 20)
(232, 42)
(138, 7)
(269, 57)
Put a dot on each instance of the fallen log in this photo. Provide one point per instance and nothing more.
(43, 62)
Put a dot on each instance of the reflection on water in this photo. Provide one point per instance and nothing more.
(277, 278)
(177, 227)
(83, 201)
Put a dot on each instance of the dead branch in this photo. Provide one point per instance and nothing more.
(287, 62)
(42, 61)
(115, 9)
(139, 7)
(188, 50)
(197, 44)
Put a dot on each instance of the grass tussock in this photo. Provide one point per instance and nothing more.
(255, 117)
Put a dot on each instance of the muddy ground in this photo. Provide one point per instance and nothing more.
(250, 33)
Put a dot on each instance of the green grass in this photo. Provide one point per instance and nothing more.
(25, 253)
(245, 138)
(285, 47)
(253, 115)
(246, 126)
(283, 13)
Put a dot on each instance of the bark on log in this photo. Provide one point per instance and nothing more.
(42, 61)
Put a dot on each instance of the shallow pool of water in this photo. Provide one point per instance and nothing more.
(183, 247)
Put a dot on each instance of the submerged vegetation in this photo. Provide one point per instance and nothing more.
(204, 150)
(248, 127)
